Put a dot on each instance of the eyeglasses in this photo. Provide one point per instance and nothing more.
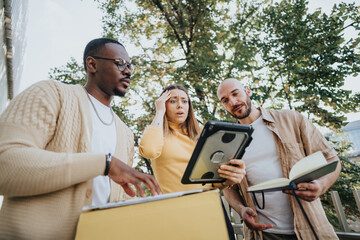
(119, 62)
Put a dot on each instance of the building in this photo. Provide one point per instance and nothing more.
(13, 21)
(352, 134)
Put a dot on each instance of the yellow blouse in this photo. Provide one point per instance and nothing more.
(169, 157)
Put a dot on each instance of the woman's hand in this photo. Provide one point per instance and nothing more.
(233, 172)
(160, 102)
(160, 109)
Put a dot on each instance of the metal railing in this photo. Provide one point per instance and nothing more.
(344, 234)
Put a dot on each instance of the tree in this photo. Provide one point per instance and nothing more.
(307, 59)
(194, 43)
(71, 73)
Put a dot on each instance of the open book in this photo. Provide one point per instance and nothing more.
(307, 169)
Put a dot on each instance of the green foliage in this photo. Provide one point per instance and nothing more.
(289, 57)
(144, 166)
(348, 181)
(71, 73)
(194, 43)
(308, 59)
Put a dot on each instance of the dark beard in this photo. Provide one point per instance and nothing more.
(118, 93)
(248, 111)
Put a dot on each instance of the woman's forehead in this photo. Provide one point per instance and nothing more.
(178, 93)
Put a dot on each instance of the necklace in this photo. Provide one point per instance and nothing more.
(97, 114)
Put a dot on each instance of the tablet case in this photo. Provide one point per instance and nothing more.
(218, 142)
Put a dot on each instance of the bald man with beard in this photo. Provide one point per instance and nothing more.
(280, 139)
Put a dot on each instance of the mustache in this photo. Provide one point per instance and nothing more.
(127, 79)
(236, 106)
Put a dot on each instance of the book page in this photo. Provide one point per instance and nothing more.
(275, 183)
(307, 164)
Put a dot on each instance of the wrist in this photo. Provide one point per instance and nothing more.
(242, 210)
(107, 163)
(160, 112)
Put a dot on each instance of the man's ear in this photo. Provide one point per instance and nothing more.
(91, 64)
(248, 91)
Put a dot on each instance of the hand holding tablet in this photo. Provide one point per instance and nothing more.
(218, 143)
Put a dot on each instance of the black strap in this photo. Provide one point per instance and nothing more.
(229, 227)
(293, 187)
(263, 200)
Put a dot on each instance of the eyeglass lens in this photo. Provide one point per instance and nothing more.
(123, 65)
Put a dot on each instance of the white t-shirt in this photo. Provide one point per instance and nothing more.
(103, 141)
(262, 164)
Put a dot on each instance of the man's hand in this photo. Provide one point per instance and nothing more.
(234, 172)
(248, 215)
(124, 175)
(314, 189)
(308, 191)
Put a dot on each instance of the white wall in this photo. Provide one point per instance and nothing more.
(19, 39)
(3, 79)
(19, 17)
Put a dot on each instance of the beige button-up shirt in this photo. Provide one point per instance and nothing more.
(295, 137)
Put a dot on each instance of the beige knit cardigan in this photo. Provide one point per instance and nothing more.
(46, 164)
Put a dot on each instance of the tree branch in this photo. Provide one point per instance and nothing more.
(158, 4)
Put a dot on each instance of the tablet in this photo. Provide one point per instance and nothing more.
(218, 143)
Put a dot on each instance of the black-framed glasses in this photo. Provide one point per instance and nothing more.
(119, 62)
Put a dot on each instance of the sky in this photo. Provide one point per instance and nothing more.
(59, 29)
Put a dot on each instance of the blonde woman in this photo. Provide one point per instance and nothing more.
(170, 140)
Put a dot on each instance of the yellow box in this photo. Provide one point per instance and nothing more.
(188, 216)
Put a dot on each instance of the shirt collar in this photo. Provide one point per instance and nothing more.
(174, 126)
(266, 115)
